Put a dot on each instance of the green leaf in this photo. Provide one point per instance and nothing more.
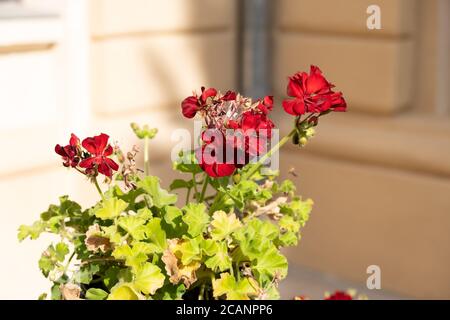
(123, 291)
(298, 209)
(171, 292)
(46, 264)
(156, 234)
(159, 196)
(171, 215)
(220, 260)
(234, 290)
(209, 247)
(144, 213)
(187, 163)
(149, 278)
(288, 223)
(196, 218)
(133, 225)
(190, 250)
(180, 184)
(112, 234)
(271, 263)
(287, 186)
(223, 225)
(86, 273)
(55, 292)
(133, 258)
(61, 250)
(33, 231)
(96, 294)
(110, 208)
(42, 296)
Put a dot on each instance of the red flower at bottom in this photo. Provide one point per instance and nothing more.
(339, 295)
(99, 150)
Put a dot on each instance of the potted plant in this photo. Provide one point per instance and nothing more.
(223, 243)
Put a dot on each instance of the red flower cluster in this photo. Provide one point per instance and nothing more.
(95, 157)
(236, 129)
(192, 104)
(312, 94)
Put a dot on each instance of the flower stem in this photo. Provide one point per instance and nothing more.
(98, 187)
(205, 184)
(188, 195)
(146, 162)
(194, 180)
(247, 175)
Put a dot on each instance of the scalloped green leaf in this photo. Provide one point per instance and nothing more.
(110, 208)
(196, 218)
(160, 197)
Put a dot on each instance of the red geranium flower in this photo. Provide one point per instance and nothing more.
(312, 94)
(266, 105)
(212, 156)
(257, 128)
(70, 153)
(99, 150)
(229, 96)
(192, 104)
(339, 295)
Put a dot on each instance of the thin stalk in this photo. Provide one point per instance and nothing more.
(195, 184)
(205, 185)
(247, 175)
(98, 187)
(188, 195)
(146, 161)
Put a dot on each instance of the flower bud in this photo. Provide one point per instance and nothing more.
(310, 132)
(303, 141)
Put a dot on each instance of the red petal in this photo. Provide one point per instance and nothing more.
(89, 145)
(103, 168)
(74, 141)
(295, 107)
(224, 169)
(87, 163)
(112, 164)
(229, 95)
(211, 92)
(60, 150)
(294, 88)
(101, 141)
(189, 106)
(316, 83)
(108, 151)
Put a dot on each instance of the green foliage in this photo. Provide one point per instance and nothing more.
(140, 243)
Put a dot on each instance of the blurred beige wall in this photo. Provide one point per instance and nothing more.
(379, 175)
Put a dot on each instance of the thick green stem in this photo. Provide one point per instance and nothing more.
(188, 195)
(146, 161)
(98, 187)
(264, 158)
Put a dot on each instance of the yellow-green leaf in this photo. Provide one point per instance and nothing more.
(123, 291)
(110, 208)
(149, 278)
(224, 224)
